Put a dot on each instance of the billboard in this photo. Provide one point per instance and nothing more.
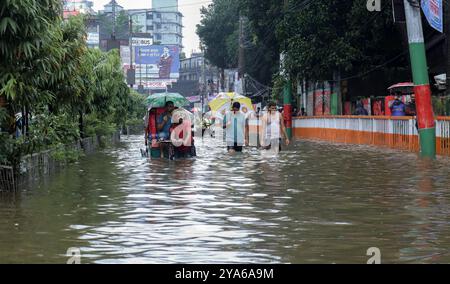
(163, 59)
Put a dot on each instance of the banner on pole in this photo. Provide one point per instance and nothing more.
(432, 9)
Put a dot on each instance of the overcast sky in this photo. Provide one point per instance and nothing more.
(189, 8)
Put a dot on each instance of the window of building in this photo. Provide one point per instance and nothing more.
(150, 28)
(158, 26)
(158, 15)
(158, 37)
(149, 16)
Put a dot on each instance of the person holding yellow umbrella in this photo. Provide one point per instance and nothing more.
(235, 129)
(230, 107)
(224, 102)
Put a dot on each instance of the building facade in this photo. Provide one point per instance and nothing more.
(160, 25)
(191, 69)
(76, 7)
(164, 27)
(80, 6)
(191, 82)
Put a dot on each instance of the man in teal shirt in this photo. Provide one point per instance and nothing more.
(235, 129)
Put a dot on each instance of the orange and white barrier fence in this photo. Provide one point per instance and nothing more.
(443, 135)
(393, 132)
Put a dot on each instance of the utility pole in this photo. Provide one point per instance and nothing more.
(241, 68)
(113, 3)
(287, 94)
(203, 84)
(131, 47)
(425, 115)
(140, 68)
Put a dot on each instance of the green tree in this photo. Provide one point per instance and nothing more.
(336, 35)
(47, 70)
(29, 57)
(122, 25)
(263, 49)
(218, 33)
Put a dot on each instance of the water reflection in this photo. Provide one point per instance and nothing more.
(312, 203)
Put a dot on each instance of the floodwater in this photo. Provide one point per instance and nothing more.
(315, 202)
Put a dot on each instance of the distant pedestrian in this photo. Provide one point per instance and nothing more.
(360, 110)
(398, 108)
(411, 108)
(302, 112)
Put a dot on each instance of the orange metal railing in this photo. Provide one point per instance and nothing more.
(393, 132)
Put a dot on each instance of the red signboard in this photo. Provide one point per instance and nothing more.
(67, 14)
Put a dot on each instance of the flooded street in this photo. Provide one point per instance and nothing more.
(313, 203)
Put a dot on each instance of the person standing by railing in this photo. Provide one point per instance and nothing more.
(302, 112)
(360, 110)
(398, 108)
(411, 108)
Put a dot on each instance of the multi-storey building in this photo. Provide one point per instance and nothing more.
(192, 72)
(192, 69)
(76, 7)
(163, 22)
(80, 6)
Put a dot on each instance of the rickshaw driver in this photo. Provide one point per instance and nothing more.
(164, 122)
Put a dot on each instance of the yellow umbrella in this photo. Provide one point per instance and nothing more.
(223, 102)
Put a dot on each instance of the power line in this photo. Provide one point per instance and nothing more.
(306, 4)
(350, 77)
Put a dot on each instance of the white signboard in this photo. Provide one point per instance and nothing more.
(125, 56)
(135, 41)
(155, 85)
(93, 39)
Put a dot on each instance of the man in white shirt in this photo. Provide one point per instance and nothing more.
(272, 128)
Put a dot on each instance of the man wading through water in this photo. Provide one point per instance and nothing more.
(235, 129)
(272, 124)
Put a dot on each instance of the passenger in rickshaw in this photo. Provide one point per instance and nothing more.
(164, 122)
(182, 139)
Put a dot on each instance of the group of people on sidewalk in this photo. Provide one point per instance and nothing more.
(397, 107)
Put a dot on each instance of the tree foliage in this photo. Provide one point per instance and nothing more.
(218, 32)
(263, 48)
(317, 37)
(50, 77)
(332, 35)
(122, 27)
